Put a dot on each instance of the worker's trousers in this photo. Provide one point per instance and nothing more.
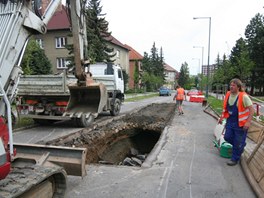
(237, 137)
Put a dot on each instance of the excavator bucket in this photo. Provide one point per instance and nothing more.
(71, 159)
(86, 101)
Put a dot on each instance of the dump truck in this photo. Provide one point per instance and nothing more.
(50, 98)
(31, 170)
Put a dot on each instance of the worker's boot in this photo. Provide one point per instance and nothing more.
(231, 163)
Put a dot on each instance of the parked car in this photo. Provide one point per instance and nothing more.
(193, 92)
(164, 91)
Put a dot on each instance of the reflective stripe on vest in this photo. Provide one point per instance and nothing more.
(243, 112)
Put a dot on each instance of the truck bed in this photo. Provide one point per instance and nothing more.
(55, 85)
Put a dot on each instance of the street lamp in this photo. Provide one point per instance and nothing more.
(202, 55)
(198, 62)
(207, 84)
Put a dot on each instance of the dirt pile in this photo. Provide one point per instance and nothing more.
(104, 135)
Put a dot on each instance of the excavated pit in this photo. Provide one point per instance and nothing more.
(122, 140)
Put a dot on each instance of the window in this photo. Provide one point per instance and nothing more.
(62, 63)
(40, 43)
(61, 42)
(120, 75)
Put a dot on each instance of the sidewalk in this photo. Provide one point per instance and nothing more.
(184, 163)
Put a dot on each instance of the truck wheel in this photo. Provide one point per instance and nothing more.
(84, 121)
(115, 109)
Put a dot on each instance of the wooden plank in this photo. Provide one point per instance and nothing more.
(261, 185)
(253, 167)
(255, 131)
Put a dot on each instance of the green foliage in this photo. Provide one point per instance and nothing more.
(184, 75)
(136, 75)
(239, 65)
(126, 77)
(98, 35)
(151, 81)
(255, 39)
(35, 61)
(153, 67)
(246, 60)
(240, 61)
(216, 104)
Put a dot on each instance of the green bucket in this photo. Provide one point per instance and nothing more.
(226, 150)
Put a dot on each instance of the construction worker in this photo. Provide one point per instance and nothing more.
(238, 111)
(179, 96)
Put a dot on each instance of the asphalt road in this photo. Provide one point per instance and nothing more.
(62, 128)
(184, 163)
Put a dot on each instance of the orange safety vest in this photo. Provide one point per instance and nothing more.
(243, 112)
(180, 94)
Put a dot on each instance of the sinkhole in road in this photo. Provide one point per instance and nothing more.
(122, 140)
(132, 150)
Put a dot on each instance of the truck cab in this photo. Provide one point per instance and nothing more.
(108, 70)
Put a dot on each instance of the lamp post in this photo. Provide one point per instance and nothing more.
(207, 84)
(202, 55)
(198, 62)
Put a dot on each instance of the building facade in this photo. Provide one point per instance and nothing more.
(58, 36)
(212, 69)
(170, 76)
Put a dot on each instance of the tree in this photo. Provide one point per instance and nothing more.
(35, 61)
(153, 67)
(156, 60)
(240, 61)
(136, 75)
(125, 76)
(184, 75)
(255, 40)
(98, 35)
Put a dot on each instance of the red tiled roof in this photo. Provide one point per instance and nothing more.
(59, 20)
(133, 54)
(169, 68)
(116, 42)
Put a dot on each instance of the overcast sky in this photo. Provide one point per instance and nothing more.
(170, 24)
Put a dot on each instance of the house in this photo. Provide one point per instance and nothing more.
(135, 59)
(170, 76)
(122, 53)
(57, 36)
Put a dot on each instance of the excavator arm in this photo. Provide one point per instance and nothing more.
(19, 19)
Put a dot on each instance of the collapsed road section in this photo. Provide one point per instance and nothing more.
(123, 140)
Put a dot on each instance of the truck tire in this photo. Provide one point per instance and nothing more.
(115, 109)
(83, 121)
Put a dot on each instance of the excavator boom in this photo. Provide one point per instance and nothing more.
(35, 168)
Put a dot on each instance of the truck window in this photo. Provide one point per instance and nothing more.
(120, 74)
(109, 69)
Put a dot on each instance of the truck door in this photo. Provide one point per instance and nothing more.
(120, 80)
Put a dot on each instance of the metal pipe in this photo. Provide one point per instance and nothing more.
(208, 62)
(52, 7)
(9, 120)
